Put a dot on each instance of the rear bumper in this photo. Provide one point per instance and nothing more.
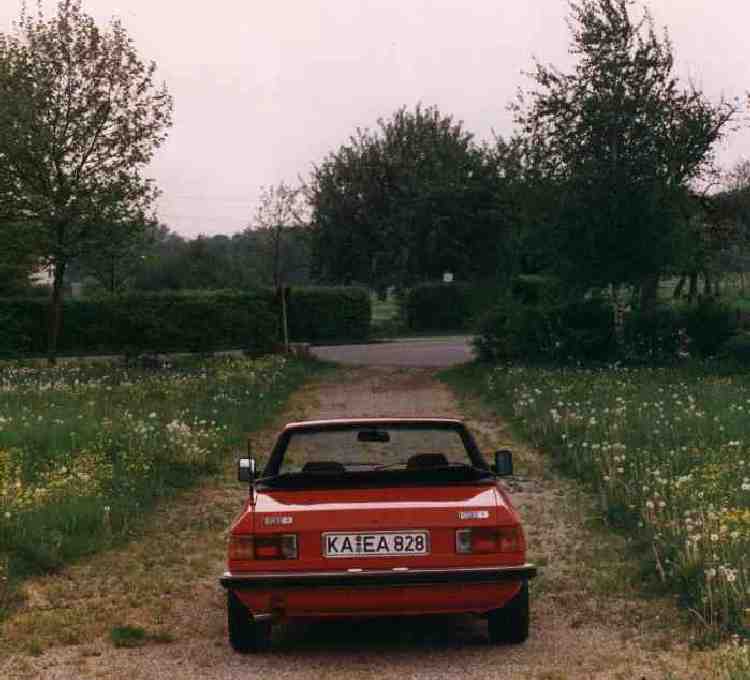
(377, 592)
(375, 578)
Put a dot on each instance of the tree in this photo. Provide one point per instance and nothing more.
(80, 117)
(406, 202)
(617, 143)
(17, 262)
(281, 213)
(116, 261)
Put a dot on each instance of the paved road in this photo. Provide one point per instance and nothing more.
(427, 353)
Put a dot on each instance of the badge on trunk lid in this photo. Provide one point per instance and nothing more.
(474, 514)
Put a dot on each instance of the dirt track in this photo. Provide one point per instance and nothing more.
(583, 626)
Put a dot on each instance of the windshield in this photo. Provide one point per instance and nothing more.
(369, 448)
(377, 454)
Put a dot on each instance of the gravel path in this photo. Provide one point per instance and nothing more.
(426, 353)
(583, 626)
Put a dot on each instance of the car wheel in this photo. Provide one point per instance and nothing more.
(245, 634)
(510, 624)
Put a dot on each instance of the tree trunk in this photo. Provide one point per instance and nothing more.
(649, 293)
(677, 294)
(55, 313)
(693, 289)
(707, 287)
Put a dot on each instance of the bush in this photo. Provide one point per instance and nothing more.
(195, 321)
(580, 329)
(709, 324)
(584, 329)
(447, 306)
(533, 289)
(737, 349)
(437, 307)
(328, 313)
(653, 336)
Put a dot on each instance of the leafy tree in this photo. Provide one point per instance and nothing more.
(406, 202)
(17, 262)
(80, 117)
(617, 143)
(123, 247)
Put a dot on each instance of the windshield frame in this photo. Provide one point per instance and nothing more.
(276, 458)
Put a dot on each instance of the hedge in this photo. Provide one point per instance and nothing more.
(458, 306)
(156, 322)
(438, 307)
(565, 331)
(194, 321)
(325, 313)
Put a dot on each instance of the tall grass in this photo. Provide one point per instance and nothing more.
(85, 450)
(667, 451)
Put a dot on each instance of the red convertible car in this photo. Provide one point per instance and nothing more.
(374, 517)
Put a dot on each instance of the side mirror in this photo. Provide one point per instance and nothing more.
(503, 463)
(246, 470)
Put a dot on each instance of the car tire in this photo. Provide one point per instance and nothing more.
(245, 634)
(510, 624)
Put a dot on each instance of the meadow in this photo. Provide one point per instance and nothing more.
(667, 452)
(87, 449)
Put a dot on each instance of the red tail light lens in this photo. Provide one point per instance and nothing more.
(269, 547)
(276, 547)
(241, 548)
(483, 540)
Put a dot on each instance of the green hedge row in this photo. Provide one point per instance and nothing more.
(195, 321)
(446, 306)
(156, 322)
(322, 313)
(584, 330)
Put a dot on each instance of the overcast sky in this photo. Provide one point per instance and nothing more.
(264, 90)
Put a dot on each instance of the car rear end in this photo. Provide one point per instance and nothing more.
(451, 550)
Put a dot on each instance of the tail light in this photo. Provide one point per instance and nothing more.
(483, 540)
(266, 547)
(240, 548)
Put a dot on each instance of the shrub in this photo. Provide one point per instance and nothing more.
(512, 330)
(437, 306)
(584, 329)
(737, 348)
(532, 289)
(195, 321)
(654, 335)
(709, 324)
(579, 329)
(328, 313)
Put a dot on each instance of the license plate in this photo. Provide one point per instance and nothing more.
(376, 544)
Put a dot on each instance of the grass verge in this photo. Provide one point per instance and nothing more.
(86, 450)
(667, 453)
